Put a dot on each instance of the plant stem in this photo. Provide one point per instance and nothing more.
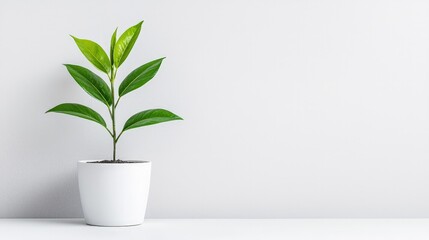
(119, 135)
(119, 98)
(112, 115)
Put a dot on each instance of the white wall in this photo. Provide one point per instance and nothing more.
(292, 108)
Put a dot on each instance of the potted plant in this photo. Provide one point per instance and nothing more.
(113, 192)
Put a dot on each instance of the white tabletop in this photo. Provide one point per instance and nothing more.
(199, 229)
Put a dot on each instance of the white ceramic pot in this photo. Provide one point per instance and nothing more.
(114, 194)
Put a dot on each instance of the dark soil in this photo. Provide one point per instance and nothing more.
(113, 161)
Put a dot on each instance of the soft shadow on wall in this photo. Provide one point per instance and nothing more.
(51, 190)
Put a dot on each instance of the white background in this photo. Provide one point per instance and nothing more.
(292, 108)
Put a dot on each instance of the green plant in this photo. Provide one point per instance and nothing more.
(99, 89)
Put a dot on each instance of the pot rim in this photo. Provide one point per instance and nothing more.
(130, 162)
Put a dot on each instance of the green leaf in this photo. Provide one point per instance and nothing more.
(78, 110)
(91, 83)
(94, 53)
(139, 76)
(150, 117)
(125, 43)
(112, 46)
